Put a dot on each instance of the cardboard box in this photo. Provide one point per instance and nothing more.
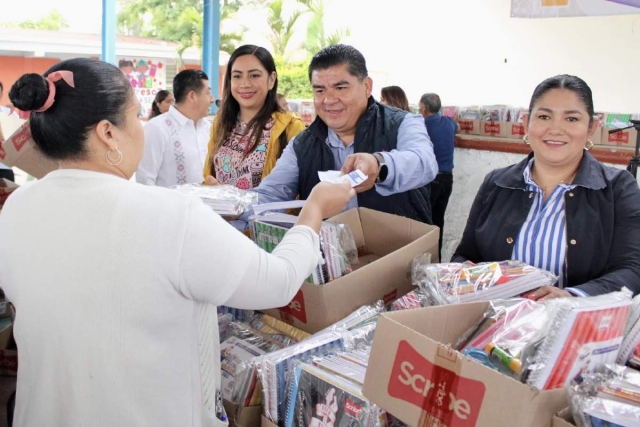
(267, 423)
(625, 138)
(413, 374)
(242, 416)
(469, 127)
(20, 151)
(563, 418)
(387, 245)
(497, 129)
(6, 188)
(516, 130)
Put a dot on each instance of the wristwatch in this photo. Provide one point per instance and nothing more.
(383, 169)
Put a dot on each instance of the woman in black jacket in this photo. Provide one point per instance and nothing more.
(560, 209)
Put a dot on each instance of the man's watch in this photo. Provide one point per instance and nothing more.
(383, 169)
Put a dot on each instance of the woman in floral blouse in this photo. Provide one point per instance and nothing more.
(251, 129)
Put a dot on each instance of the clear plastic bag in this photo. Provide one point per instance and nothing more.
(414, 299)
(362, 316)
(337, 245)
(580, 333)
(453, 283)
(610, 395)
(500, 338)
(225, 200)
(317, 397)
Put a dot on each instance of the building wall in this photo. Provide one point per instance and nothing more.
(12, 67)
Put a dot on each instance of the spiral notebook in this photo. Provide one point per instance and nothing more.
(580, 338)
(631, 340)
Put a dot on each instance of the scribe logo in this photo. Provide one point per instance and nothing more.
(619, 137)
(353, 409)
(491, 127)
(517, 130)
(295, 309)
(21, 137)
(452, 399)
(466, 125)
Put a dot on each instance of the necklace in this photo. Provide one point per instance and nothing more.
(545, 188)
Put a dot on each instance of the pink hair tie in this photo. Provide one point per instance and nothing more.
(67, 76)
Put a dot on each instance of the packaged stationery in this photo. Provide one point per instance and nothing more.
(275, 368)
(225, 200)
(630, 349)
(466, 282)
(608, 396)
(336, 244)
(580, 333)
(499, 340)
(319, 398)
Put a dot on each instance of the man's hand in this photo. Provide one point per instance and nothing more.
(368, 164)
(211, 181)
(546, 293)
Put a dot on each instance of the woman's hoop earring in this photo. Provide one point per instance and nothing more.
(526, 139)
(589, 145)
(111, 160)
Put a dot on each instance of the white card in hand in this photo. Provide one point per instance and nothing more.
(355, 178)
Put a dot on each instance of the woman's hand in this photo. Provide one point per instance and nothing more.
(546, 293)
(211, 181)
(326, 200)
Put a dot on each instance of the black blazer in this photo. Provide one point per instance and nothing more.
(603, 224)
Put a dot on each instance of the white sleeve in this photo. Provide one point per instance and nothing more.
(155, 142)
(220, 265)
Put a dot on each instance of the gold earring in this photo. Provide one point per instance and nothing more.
(117, 160)
(589, 145)
(526, 139)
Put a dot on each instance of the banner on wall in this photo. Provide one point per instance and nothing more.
(566, 8)
(147, 77)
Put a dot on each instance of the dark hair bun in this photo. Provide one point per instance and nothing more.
(30, 92)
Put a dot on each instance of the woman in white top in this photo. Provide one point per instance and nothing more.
(116, 284)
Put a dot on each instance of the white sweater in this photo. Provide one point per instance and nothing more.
(115, 286)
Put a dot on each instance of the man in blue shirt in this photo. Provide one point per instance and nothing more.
(442, 131)
(353, 131)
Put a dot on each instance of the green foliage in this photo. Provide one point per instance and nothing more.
(316, 36)
(281, 27)
(178, 21)
(293, 79)
(53, 21)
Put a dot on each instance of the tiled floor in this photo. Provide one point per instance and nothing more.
(7, 386)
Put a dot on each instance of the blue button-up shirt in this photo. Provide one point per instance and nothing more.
(411, 165)
(542, 241)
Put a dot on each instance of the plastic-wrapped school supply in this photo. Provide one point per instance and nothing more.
(500, 338)
(609, 396)
(243, 343)
(225, 200)
(414, 299)
(366, 314)
(336, 244)
(630, 349)
(274, 369)
(580, 333)
(466, 282)
(320, 398)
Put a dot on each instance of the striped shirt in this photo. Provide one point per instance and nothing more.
(542, 240)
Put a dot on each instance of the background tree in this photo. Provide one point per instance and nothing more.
(53, 21)
(316, 36)
(178, 21)
(281, 28)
